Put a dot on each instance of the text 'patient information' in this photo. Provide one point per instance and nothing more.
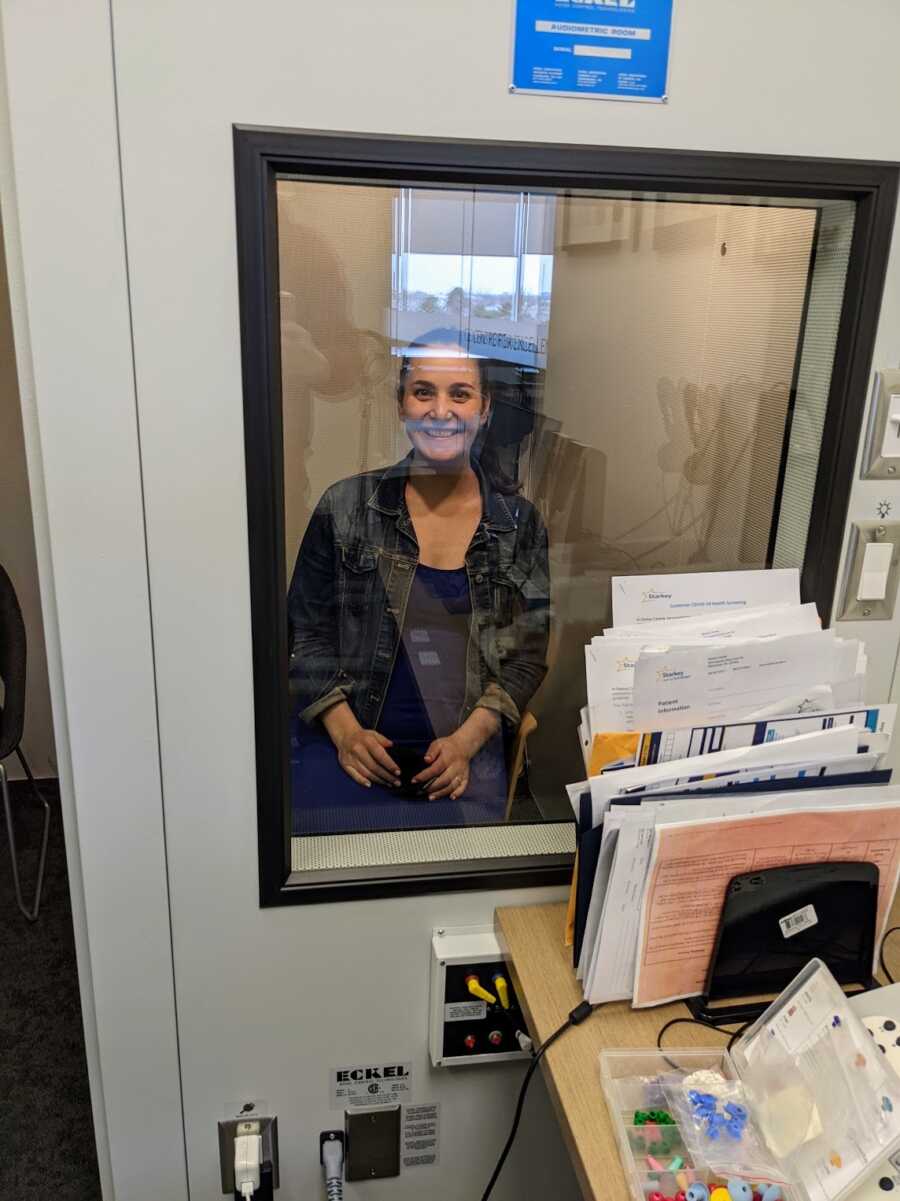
(608, 49)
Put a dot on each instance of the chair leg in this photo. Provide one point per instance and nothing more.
(32, 913)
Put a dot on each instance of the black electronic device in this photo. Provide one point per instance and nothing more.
(774, 921)
(410, 758)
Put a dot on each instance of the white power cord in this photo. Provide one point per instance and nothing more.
(333, 1161)
(247, 1163)
(525, 1043)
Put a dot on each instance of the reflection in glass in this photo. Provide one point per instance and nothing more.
(418, 611)
(487, 391)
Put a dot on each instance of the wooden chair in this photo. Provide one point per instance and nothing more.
(527, 726)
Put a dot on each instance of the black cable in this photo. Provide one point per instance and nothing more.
(884, 967)
(575, 1018)
(733, 1035)
(737, 1034)
(682, 1022)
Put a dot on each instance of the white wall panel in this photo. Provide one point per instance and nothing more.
(267, 1001)
(743, 78)
(70, 305)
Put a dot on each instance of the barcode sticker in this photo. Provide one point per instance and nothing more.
(796, 923)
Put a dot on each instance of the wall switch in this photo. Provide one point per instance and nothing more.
(872, 572)
(372, 1136)
(881, 454)
(890, 443)
(876, 566)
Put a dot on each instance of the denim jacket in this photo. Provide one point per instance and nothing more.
(351, 583)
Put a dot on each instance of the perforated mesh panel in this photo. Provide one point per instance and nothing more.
(403, 847)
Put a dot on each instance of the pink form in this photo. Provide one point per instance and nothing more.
(693, 862)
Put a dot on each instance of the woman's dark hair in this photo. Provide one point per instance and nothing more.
(484, 451)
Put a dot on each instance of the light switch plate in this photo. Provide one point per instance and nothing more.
(862, 534)
(876, 466)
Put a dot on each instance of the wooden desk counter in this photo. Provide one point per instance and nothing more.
(541, 968)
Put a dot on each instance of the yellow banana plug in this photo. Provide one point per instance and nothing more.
(502, 990)
(473, 984)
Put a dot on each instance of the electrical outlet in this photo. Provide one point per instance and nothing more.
(229, 1131)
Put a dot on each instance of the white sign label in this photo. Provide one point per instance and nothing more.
(420, 1135)
(465, 1011)
(370, 1084)
(801, 1022)
(796, 923)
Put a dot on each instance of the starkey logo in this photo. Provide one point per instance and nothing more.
(665, 675)
(651, 594)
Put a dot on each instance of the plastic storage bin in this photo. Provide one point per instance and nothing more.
(667, 1159)
(803, 1107)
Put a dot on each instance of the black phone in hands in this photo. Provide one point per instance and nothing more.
(410, 758)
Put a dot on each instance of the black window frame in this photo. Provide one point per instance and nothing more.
(263, 155)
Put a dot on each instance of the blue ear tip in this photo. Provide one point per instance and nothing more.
(740, 1190)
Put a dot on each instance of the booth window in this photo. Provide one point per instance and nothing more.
(481, 381)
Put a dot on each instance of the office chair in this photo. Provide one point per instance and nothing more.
(12, 721)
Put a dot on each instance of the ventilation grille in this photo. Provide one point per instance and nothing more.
(456, 847)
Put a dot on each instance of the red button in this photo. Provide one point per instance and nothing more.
(495, 1038)
(470, 1041)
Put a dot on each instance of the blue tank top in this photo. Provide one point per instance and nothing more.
(427, 688)
(424, 701)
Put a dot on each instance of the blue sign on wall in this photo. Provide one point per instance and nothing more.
(613, 49)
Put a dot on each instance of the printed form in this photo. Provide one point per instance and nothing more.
(644, 598)
(610, 660)
(660, 746)
(763, 621)
(608, 971)
(693, 862)
(677, 685)
(819, 746)
(609, 975)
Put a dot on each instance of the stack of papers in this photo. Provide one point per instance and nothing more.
(664, 665)
(725, 730)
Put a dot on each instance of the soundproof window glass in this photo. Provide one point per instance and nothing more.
(494, 402)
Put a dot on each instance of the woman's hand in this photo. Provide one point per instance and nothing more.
(361, 753)
(448, 759)
(447, 773)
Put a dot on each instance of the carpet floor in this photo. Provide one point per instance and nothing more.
(46, 1130)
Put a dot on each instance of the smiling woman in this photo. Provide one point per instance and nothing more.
(419, 616)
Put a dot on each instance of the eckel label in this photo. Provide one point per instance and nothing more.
(370, 1084)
